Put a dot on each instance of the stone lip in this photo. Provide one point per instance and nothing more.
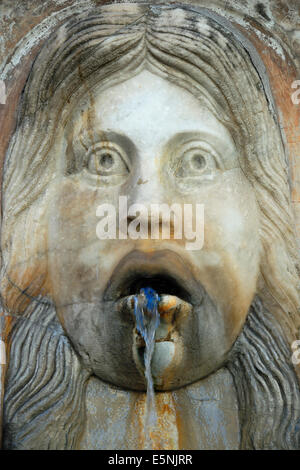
(173, 311)
(164, 270)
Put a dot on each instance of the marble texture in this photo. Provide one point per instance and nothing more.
(161, 104)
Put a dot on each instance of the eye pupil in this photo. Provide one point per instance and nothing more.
(106, 160)
(198, 161)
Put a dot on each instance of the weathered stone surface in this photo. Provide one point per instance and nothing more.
(163, 104)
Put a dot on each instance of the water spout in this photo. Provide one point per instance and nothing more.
(147, 321)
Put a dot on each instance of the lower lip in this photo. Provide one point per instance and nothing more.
(166, 346)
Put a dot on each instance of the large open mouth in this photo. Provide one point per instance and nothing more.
(160, 283)
(168, 280)
(163, 271)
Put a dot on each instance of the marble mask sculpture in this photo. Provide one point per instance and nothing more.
(172, 99)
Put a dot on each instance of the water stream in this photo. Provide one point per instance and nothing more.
(147, 321)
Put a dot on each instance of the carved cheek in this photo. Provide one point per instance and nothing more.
(228, 264)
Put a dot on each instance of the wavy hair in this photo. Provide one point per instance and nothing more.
(200, 52)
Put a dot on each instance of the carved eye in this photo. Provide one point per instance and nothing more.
(107, 159)
(197, 159)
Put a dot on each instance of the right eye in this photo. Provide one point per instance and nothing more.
(197, 160)
(107, 159)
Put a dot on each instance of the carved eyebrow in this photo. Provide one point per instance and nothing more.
(224, 149)
(88, 138)
(80, 143)
(218, 143)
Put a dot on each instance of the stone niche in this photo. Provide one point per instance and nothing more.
(129, 336)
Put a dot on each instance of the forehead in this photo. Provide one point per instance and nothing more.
(150, 110)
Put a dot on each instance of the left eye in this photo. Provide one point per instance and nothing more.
(106, 159)
(196, 160)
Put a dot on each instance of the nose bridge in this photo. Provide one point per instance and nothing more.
(147, 188)
(149, 193)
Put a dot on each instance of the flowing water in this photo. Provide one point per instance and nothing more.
(147, 321)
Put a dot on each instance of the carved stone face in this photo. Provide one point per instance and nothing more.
(160, 145)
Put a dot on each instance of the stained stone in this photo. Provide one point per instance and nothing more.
(111, 111)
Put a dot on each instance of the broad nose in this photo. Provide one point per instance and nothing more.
(148, 200)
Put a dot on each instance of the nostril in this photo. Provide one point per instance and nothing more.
(138, 227)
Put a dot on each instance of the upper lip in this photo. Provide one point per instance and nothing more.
(159, 269)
